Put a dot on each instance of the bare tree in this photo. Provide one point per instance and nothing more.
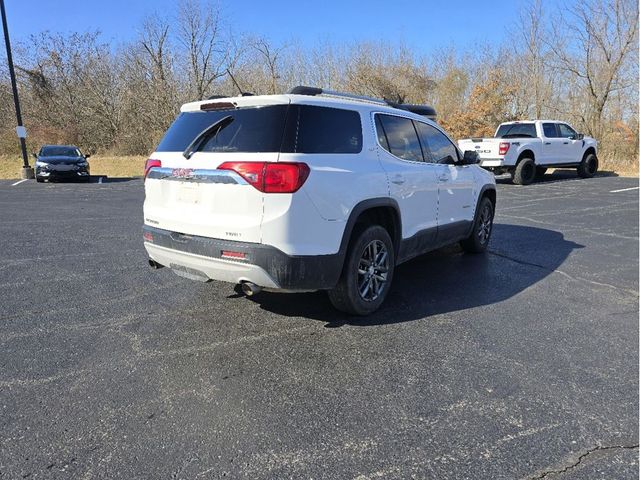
(383, 70)
(154, 39)
(529, 64)
(208, 51)
(601, 36)
(270, 56)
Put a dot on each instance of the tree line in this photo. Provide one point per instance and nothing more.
(579, 64)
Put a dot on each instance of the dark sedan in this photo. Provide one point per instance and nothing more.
(61, 162)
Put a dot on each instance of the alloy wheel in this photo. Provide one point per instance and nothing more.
(373, 270)
(485, 224)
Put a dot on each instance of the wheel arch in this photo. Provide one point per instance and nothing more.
(526, 153)
(488, 191)
(589, 151)
(382, 211)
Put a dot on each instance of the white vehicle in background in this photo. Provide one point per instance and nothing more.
(527, 149)
(312, 190)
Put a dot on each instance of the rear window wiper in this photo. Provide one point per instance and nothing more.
(212, 129)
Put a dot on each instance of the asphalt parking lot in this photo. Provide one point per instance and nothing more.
(522, 363)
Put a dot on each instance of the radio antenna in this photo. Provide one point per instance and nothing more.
(235, 83)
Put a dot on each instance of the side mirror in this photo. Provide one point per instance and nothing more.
(35, 155)
(87, 155)
(470, 157)
(580, 136)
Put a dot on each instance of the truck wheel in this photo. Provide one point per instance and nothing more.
(540, 171)
(588, 166)
(367, 273)
(482, 227)
(525, 172)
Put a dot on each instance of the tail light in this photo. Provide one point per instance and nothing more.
(149, 164)
(503, 148)
(268, 177)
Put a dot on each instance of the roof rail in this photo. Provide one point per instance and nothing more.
(313, 91)
(423, 110)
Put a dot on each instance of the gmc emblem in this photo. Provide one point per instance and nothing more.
(182, 172)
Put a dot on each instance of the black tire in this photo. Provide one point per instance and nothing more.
(482, 227)
(39, 180)
(347, 295)
(588, 166)
(525, 172)
(540, 171)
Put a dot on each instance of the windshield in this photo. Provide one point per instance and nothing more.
(274, 128)
(59, 151)
(513, 130)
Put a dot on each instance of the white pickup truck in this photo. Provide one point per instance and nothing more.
(527, 149)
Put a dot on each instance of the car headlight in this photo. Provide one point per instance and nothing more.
(41, 164)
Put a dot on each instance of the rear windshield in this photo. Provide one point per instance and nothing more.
(275, 128)
(252, 130)
(514, 130)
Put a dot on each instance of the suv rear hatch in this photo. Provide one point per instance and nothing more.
(193, 196)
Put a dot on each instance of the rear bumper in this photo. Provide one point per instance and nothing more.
(200, 258)
(492, 162)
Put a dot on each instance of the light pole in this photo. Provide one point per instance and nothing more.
(27, 171)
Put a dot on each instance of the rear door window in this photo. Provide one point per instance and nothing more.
(549, 130)
(382, 138)
(313, 129)
(401, 137)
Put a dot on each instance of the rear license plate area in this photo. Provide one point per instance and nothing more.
(190, 273)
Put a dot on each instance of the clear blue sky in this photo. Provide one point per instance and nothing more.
(422, 24)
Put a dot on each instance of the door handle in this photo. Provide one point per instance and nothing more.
(398, 180)
(547, 143)
(444, 177)
(566, 143)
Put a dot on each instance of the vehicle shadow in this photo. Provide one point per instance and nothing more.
(557, 176)
(105, 179)
(94, 179)
(446, 280)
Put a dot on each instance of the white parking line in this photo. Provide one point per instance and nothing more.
(624, 189)
(100, 180)
(19, 182)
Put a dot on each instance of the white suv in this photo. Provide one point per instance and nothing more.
(312, 190)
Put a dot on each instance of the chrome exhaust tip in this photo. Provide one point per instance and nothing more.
(155, 265)
(250, 289)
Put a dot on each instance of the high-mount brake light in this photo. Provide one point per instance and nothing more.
(217, 106)
(271, 177)
(149, 164)
(503, 148)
